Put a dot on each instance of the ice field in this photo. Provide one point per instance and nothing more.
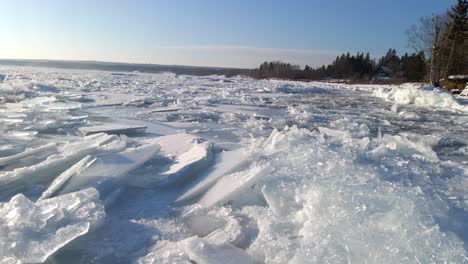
(102, 167)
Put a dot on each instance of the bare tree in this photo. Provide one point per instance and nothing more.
(426, 38)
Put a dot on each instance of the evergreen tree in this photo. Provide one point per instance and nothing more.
(454, 50)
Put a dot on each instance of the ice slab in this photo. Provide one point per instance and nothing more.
(31, 232)
(63, 178)
(233, 188)
(227, 162)
(111, 129)
(235, 231)
(165, 252)
(182, 155)
(165, 109)
(28, 152)
(114, 98)
(201, 251)
(104, 173)
(55, 164)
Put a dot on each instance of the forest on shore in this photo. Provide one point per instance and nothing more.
(440, 49)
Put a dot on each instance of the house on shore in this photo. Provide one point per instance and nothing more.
(382, 73)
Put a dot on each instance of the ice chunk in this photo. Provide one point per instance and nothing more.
(198, 156)
(203, 224)
(282, 202)
(111, 129)
(334, 133)
(31, 232)
(165, 109)
(235, 231)
(57, 163)
(183, 154)
(28, 152)
(63, 178)
(165, 252)
(228, 162)
(234, 187)
(21, 135)
(201, 251)
(104, 173)
(404, 146)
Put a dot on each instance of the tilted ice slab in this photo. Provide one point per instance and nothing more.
(55, 164)
(104, 173)
(32, 232)
(181, 155)
(110, 129)
(428, 96)
(27, 153)
(228, 162)
(234, 188)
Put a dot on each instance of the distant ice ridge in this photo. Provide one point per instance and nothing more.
(427, 96)
(32, 232)
(322, 197)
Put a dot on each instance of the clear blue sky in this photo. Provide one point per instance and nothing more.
(232, 33)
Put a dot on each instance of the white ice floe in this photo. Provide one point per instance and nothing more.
(32, 232)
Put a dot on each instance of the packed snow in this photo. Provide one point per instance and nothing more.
(97, 167)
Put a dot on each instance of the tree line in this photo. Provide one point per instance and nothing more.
(346, 66)
(440, 49)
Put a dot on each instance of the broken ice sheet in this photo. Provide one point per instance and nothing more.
(111, 129)
(55, 164)
(104, 173)
(28, 152)
(32, 232)
(182, 155)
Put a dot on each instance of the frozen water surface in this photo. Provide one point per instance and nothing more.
(97, 167)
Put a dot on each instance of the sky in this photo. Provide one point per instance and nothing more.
(224, 33)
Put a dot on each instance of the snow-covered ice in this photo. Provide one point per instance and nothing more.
(98, 167)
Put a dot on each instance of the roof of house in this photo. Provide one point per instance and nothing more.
(383, 69)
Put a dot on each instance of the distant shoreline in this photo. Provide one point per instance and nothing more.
(125, 67)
